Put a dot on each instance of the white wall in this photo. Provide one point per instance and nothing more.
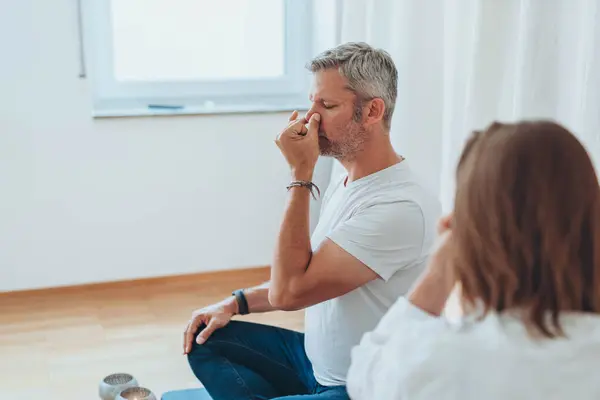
(88, 200)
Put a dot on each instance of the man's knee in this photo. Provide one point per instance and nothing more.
(202, 354)
(223, 337)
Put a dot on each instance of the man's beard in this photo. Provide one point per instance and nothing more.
(345, 149)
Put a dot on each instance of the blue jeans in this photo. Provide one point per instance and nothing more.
(248, 361)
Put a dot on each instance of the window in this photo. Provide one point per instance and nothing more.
(197, 56)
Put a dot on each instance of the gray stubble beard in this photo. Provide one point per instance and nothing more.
(352, 144)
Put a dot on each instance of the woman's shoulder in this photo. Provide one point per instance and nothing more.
(427, 340)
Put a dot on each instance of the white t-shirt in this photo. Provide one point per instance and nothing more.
(388, 221)
(414, 356)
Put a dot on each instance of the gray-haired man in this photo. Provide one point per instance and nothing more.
(374, 234)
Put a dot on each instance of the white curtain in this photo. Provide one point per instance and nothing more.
(464, 63)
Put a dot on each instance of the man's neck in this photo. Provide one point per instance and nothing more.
(374, 157)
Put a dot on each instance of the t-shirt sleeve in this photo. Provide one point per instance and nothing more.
(386, 237)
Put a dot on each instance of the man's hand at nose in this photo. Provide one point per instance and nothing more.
(300, 145)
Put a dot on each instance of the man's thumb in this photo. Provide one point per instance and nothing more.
(313, 124)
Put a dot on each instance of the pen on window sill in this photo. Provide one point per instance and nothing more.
(164, 107)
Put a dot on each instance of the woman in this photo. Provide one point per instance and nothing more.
(523, 247)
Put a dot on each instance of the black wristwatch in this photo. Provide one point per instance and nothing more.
(241, 301)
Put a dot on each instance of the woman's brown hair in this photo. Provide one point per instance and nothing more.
(526, 224)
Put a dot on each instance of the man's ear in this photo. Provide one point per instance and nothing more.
(375, 111)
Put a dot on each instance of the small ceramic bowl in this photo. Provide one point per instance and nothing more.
(136, 393)
(113, 384)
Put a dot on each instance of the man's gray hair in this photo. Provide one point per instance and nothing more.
(370, 72)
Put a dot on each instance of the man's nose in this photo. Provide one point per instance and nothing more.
(309, 113)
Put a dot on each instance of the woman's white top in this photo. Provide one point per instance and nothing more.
(412, 355)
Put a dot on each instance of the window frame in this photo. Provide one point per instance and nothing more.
(113, 98)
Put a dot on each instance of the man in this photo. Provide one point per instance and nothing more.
(374, 234)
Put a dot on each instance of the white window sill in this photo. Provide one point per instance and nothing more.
(149, 111)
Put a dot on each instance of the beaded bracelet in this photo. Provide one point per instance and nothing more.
(309, 185)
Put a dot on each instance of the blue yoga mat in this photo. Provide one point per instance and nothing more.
(187, 394)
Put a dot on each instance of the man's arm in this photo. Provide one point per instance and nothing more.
(293, 250)
(301, 278)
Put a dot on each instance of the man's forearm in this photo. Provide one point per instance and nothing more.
(293, 248)
(258, 299)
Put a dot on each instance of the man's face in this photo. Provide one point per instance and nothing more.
(341, 132)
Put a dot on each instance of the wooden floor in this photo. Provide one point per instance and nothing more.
(59, 343)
